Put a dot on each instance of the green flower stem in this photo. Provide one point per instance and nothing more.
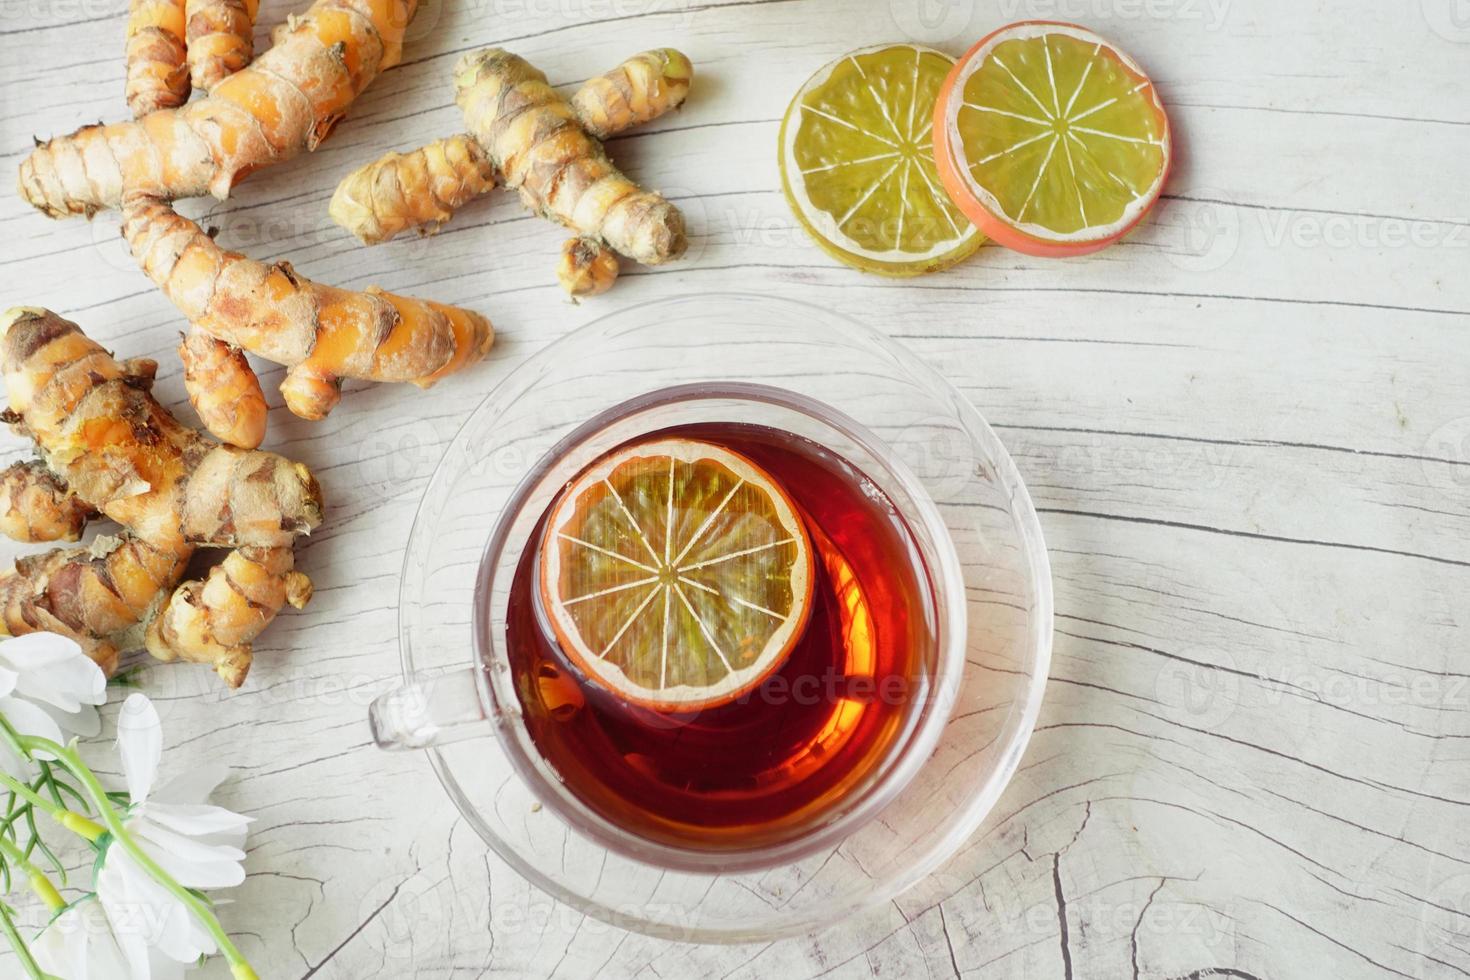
(7, 928)
(30, 796)
(49, 781)
(40, 884)
(11, 736)
(72, 762)
(69, 819)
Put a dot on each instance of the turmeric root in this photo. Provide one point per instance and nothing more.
(214, 621)
(36, 506)
(639, 90)
(175, 43)
(100, 431)
(223, 389)
(322, 334)
(532, 137)
(218, 35)
(587, 267)
(285, 102)
(157, 77)
(94, 595)
(120, 452)
(532, 140)
(421, 189)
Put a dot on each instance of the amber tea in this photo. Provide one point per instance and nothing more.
(724, 636)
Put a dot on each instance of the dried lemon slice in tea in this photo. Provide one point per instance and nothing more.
(676, 574)
(857, 163)
(1052, 140)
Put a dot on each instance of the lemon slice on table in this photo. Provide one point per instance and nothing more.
(857, 163)
(676, 574)
(1052, 140)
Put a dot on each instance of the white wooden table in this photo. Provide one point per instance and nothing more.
(1247, 429)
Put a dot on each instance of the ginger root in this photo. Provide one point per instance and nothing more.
(157, 77)
(526, 136)
(105, 439)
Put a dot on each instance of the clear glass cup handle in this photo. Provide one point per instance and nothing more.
(428, 711)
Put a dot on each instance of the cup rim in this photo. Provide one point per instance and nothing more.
(1038, 627)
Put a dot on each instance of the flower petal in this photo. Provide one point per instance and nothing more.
(194, 786)
(144, 914)
(54, 670)
(85, 721)
(133, 944)
(60, 949)
(8, 678)
(140, 744)
(30, 719)
(163, 968)
(192, 863)
(197, 820)
(35, 650)
(79, 944)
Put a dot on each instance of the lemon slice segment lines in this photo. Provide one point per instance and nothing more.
(631, 519)
(1051, 149)
(843, 122)
(651, 580)
(1024, 88)
(1082, 82)
(1072, 167)
(663, 660)
(1006, 112)
(627, 624)
(708, 520)
(739, 554)
(709, 638)
(606, 551)
(750, 605)
(724, 598)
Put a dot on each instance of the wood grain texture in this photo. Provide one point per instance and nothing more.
(1247, 429)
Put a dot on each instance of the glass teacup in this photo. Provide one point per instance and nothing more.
(786, 367)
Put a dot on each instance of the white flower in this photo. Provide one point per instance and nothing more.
(200, 846)
(82, 943)
(48, 688)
